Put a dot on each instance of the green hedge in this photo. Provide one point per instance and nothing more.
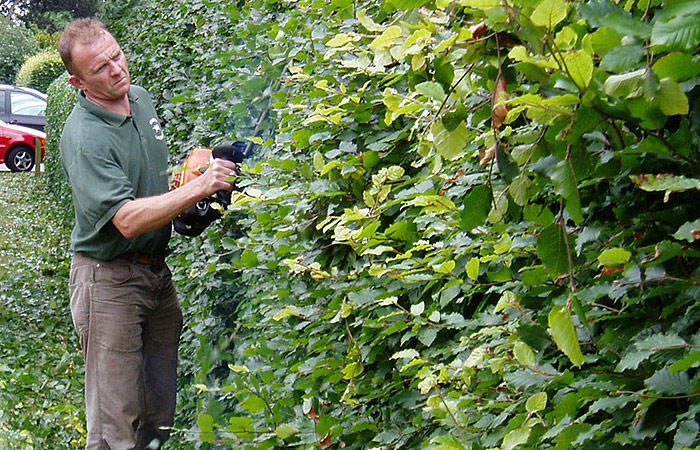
(40, 70)
(61, 99)
(469, 224)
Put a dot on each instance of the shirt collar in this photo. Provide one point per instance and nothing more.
(108, 116)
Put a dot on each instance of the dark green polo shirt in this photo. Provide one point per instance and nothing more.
(110, 159)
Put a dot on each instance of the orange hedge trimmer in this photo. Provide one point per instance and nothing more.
(197, 217)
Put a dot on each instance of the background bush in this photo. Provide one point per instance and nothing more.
(40, 70)
(467, 225)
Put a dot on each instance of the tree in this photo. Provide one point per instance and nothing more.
(16, 45)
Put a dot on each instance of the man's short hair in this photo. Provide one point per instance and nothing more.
(80, 31)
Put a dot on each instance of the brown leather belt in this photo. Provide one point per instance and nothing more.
(153, 260)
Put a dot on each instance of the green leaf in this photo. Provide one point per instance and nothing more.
(614, 257)
(672, 100)
(516, 437)
(665, 182)
(686, 434)
(480, 4)
(253, 404)
(667, 383)
(431, 89)
(519, 189)
(524, 354)
(477, 205)
(677, 66)
(450, 144)
(561, 327)
(626, 85)
(368, 23)
(408, 4)
(627, 25)
(241, 427)
(632, 360)
(605, 40)
(549, 13)
(680, 33)
(689, 231)
(352, 370)
(473, 268)
(408, 353)
(387, 38)
(449, 442)
(623, 58)
(285, 431)
(418, 309)
(205, 422)
(565, 184)
(691, 360)
(536, 402)
(580, 67)
(551, 248)
(338, 40)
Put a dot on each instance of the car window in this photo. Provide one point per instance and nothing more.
(34, 109)
(27, 104)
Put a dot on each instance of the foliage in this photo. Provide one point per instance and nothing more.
(40, 364)
(470, 224)
(16, 44)
(61, 99)
(40, 70)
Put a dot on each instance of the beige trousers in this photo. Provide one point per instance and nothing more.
(128, 318)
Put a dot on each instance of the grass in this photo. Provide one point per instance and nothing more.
(41, 375)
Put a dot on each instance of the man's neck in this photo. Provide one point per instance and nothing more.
(121, 106)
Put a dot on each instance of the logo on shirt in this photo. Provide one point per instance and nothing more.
(157, 130)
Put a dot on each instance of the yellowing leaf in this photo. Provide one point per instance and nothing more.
(285, 431)
(537, 402)
(480, 4)
(473, 268)
(524, 354)
(672, 100)
(450, 144)
(580, 67)
(614, 257)
(338, 40)
(387, 38)
(549, 13)
(352, 370)
(368, 23)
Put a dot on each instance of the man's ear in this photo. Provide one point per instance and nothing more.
(75, 82)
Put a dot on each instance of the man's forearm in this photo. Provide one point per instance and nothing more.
(149, 213)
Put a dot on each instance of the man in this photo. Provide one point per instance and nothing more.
(123, 302)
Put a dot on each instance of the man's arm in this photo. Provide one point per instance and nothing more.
(149, 213)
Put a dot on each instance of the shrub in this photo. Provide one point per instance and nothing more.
(40, 70)
(472, 227)
(61, 99)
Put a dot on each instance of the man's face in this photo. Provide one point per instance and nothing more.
(100, 69)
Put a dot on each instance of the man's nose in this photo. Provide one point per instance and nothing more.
(114, 68)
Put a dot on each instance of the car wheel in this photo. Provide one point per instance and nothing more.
(20, 159)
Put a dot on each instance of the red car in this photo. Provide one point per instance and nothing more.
(17, 146)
